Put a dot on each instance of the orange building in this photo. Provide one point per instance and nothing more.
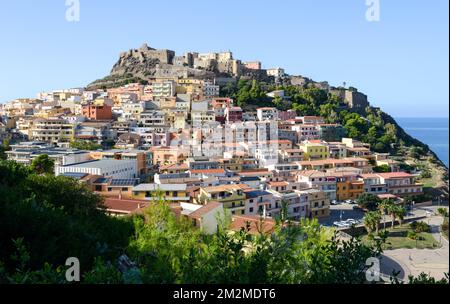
(348, 186)
(97, 112)
(168, 155)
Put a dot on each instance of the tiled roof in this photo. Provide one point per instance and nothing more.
(199, 213)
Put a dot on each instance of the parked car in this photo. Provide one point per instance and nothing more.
(352, 222)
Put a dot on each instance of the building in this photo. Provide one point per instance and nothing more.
(348, 186)
(164, 89)
(143, 159)
(233, 114)
(372, 184)
(401, 183)
(210, 90)
(120, 188)
(252, 65)
(314, 150)
(257, 201)
(168, 155)
(265, 114)
(276, 72)
(152, 119)
(323, 181)
(24, 153)
(319, 203)
(231, 196)
(172, 193)
(206, 217)
(97, 112)
(117, 169)
(53, 131)
(98, 132)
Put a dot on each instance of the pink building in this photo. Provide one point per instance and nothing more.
(287, 115)
(253, 65)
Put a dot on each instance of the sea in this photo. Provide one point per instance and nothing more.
(432, 131)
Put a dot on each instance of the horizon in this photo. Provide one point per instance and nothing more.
(387, 60)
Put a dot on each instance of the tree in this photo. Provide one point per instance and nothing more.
(85, 145)
(396, 212)
(368, 201)
(443, 212)
(43, 164)
(382, 169)
(372, 221)
(384, 206)
(3, 148)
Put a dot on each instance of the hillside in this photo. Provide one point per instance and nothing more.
(348, 107)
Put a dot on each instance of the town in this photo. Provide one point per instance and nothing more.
(180, 138)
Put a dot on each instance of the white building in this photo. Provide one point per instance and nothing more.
(265, 114)
(164, 89)
(206, 217)
(211, 90)
(117, 169)
(276, 72)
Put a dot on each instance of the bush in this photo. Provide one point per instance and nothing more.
(419, 227)
(412, 235)
(444, 228)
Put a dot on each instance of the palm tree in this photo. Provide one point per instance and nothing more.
(400, 212)
(383, 207)
(372, 221)
(443, 212)
(392, 210)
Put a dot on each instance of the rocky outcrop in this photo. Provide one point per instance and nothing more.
(145, 63)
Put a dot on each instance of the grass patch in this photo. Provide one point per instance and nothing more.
(398, 238)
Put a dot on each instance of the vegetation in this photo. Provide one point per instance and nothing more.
(43, 164)
(85, 145)
(444, 227)
(405, 237)
(3, 148)
(382, 169)
(372, 221)
(368, 201)
(46, 219)
(371, 125)
(419, 227)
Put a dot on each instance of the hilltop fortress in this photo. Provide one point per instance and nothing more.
(147, 62)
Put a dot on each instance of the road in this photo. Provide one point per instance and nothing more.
(347, 213)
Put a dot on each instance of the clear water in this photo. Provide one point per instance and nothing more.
(432, 131)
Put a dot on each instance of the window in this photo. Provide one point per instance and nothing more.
(251, 209)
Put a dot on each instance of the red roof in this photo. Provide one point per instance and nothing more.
(254, 224)
(395, 175)
(199, 213)
(124, 206)
(209, 171)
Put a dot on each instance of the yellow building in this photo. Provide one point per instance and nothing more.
(171, 193)
(319, 203)
(315, 150)
(231, 196)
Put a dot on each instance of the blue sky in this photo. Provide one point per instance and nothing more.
(401, 62)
